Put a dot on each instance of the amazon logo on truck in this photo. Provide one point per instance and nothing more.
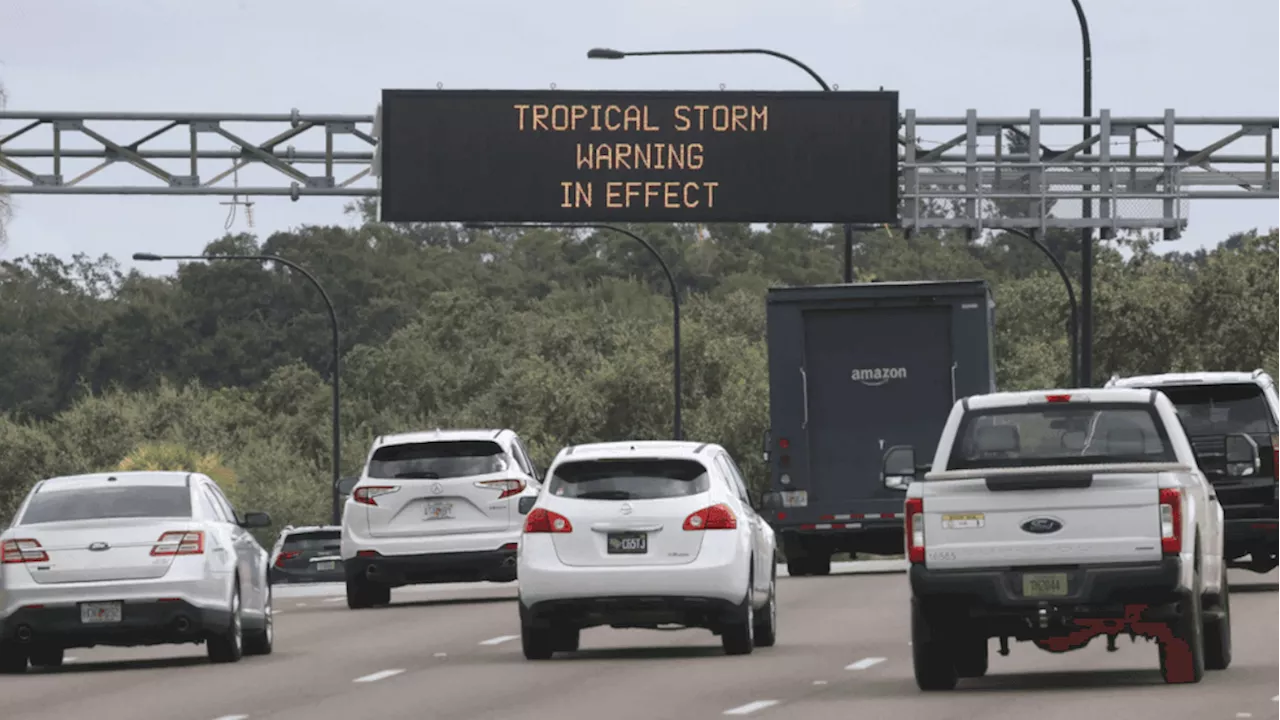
(874, 377)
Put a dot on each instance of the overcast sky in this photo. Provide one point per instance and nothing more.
(1000, 57)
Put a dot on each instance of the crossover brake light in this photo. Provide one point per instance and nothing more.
(365, 495)
(716, 517)
(1171, 520)
(508, 487)
(914, 526)
(179, 542)
(1057, 398)
(286, 555)
(541, 520)
(22, 551)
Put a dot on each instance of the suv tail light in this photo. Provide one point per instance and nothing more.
(508, 487)
(365, 495)
(914, 526)
(541, 520)
(1171, 520)
(286, 555)
(716, 517)
(179, 542)
(22, 551)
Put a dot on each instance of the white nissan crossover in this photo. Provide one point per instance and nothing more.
(642, 535)
(435, 507)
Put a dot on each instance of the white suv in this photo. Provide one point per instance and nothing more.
(435, 507)
(645, 534)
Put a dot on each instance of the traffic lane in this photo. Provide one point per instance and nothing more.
(1089, 682)
(316, 653)
(635, 673)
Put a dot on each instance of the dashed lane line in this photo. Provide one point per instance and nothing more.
(380, 675)
(499, 640)
(751, 707)
(865, 663)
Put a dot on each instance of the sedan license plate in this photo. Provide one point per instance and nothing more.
(1044, 585)
(438, 510)
(326, 565)
(98, 613)
(628, 543)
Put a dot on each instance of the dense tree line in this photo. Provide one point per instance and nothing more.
(564, 336)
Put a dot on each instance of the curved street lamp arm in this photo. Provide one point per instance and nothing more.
(1071, 299)
(740, 51)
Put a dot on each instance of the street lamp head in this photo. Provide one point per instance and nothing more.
(150, 257)
(605, 54)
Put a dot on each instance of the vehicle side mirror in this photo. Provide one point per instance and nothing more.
(255, 520)
(526, 504)
(899, 467)
(1242, 455)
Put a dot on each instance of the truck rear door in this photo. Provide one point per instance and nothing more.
(873, 378)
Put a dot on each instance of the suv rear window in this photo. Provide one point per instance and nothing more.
(1221, 409)
(629, 479)
(99, 503)
(319, 541)
(1062, 434)
(438, 459)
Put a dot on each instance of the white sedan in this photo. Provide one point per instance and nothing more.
(131, 558)
(643, 535)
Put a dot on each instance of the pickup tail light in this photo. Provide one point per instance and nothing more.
(541, 520)
(914, 527)
(286, 555)
(508, 487)
(716, 517)
(365, 495)
(179, 542)
(22, 551)
(1171, 520)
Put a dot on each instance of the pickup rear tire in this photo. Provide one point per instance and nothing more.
(971, 657)
(1217, 630)
(932, 655)
(13, 658)
(1182, 657)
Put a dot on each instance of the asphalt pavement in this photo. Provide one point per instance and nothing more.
(453, 653)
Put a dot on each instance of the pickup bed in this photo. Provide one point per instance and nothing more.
(1056, 516)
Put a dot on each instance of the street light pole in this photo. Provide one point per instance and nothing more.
(335, 510)
(1086, 207)
(611, 54)
(677, 431)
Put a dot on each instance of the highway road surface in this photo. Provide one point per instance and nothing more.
(453, 653)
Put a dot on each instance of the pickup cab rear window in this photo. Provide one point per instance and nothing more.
(109, 502)
(438, 459)
(1060, 434)
(1211, 410)
(629, 479)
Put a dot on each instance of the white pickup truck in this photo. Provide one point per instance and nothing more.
(1056, 516)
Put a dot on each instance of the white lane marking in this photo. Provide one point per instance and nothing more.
(864, 663)
(380, 675)
(499, 640)
(233, 717)
(819, 682)
(441, 655)
(339, 598)
(751, 707)
(302, 604)
(1276, 699)
(1244, 715)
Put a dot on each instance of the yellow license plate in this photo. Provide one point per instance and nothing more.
(1044, 585)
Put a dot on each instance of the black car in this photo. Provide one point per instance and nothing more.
(307, 555)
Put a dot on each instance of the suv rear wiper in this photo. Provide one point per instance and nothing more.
(418, 475)
(605, 495)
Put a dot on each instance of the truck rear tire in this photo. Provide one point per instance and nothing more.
(931, 652)
(1182, 657)
(971, 657)
(1217, 630)
(798, 566)
(820, 564)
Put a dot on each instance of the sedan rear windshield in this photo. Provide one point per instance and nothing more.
(439, 459)
(100, 503)
(1221, 409)
(629, 479)
(1066, 434)
(313, 541)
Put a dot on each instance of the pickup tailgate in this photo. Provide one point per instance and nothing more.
(1040, 517)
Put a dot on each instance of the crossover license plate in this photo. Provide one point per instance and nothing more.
(326, 565)
(101, 613)
(437, 510)
(628, 543)
(1044, 585)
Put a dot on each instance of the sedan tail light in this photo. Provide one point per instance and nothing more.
(914, 511)
(508, 487)
(22, 551)
(716, 517)
(286, 555)
(1171, 520)
(179, 542)
(365, 495)
(541, 520)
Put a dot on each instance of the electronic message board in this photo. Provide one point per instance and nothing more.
(560, 156)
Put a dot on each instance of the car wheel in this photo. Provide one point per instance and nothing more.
(262, 642)
(227, 646)
(765, 631)
(47, 657)
(931, 652)
(799, 566)
(568, 639)
(972, 658)
(13, 658)
(538, 642)
(363, 594)
(736, 636)
(1217, 631)
(1182, 656)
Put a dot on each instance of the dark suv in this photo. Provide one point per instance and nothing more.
(1212, 405)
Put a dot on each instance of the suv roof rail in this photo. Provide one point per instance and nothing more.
(1259, 373)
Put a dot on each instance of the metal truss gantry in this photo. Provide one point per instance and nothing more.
(993, 172)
